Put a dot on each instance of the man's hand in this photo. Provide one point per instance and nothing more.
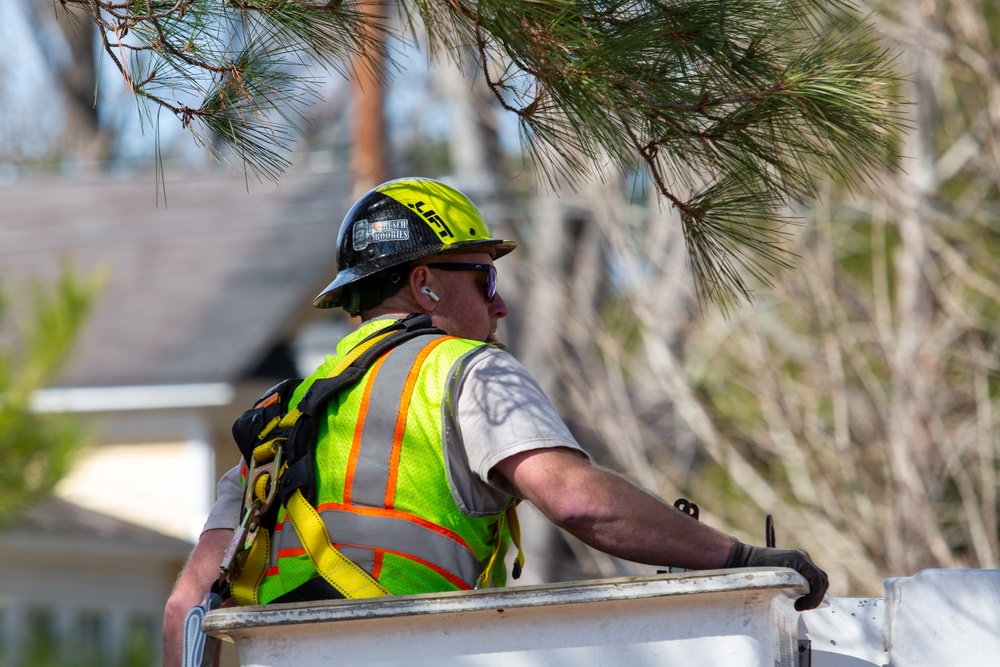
(744, 555)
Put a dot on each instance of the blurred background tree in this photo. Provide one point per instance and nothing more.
(857, 399)
(38, 448)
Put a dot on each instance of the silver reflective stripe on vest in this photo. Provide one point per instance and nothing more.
(363, 558)
(394, 534)
(371, 473)
(287, 538)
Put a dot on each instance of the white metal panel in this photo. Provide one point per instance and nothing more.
(944, 618)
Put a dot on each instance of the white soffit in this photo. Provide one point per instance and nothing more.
(149, 397)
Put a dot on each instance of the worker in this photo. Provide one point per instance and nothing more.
(418, 462)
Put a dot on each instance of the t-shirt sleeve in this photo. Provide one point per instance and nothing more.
(501, 411)
(226, 511)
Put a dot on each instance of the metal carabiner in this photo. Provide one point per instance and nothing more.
(272, 469)
(259, 500)
(230, 566)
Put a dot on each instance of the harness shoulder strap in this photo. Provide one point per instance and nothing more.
(305, 418)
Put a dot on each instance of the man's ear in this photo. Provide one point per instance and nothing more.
(420, 289)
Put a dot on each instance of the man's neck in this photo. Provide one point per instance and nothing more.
(385, 311)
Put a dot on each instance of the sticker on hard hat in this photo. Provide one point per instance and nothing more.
(434, 219)
(377, 232)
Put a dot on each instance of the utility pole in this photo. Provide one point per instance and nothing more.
(368, 154)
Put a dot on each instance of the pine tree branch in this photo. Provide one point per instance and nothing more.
(734, 108)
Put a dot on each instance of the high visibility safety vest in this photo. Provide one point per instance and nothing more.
(381, 481)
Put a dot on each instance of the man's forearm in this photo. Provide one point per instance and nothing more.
(201, 571)
(618, 518)
(610, 513)
(644, 529)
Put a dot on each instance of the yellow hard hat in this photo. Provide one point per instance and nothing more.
(401, 221)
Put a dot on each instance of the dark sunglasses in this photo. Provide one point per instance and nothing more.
(489, 269)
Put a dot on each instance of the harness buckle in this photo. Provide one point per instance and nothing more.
(262, 480)
(231, 565)
(261, 489)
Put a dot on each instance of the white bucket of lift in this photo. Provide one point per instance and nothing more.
(708, 619)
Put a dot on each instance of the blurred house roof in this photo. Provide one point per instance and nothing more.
(200, 286)
(60, 526)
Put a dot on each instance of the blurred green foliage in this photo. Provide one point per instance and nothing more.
(37, 448)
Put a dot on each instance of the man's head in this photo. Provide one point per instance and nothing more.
(459, 292)
(390, 237)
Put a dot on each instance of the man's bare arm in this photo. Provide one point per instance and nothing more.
(196, 579)
(609, 513)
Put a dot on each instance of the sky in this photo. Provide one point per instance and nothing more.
(31, 110)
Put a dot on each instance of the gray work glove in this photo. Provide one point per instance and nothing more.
(744, 555)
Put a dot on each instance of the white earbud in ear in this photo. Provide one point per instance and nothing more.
(429, 292)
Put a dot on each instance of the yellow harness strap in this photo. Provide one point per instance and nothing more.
(514, 528)
(336, 568)
(293, 415)
(245, 588)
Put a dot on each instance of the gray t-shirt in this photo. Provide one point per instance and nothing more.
(494, 409)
